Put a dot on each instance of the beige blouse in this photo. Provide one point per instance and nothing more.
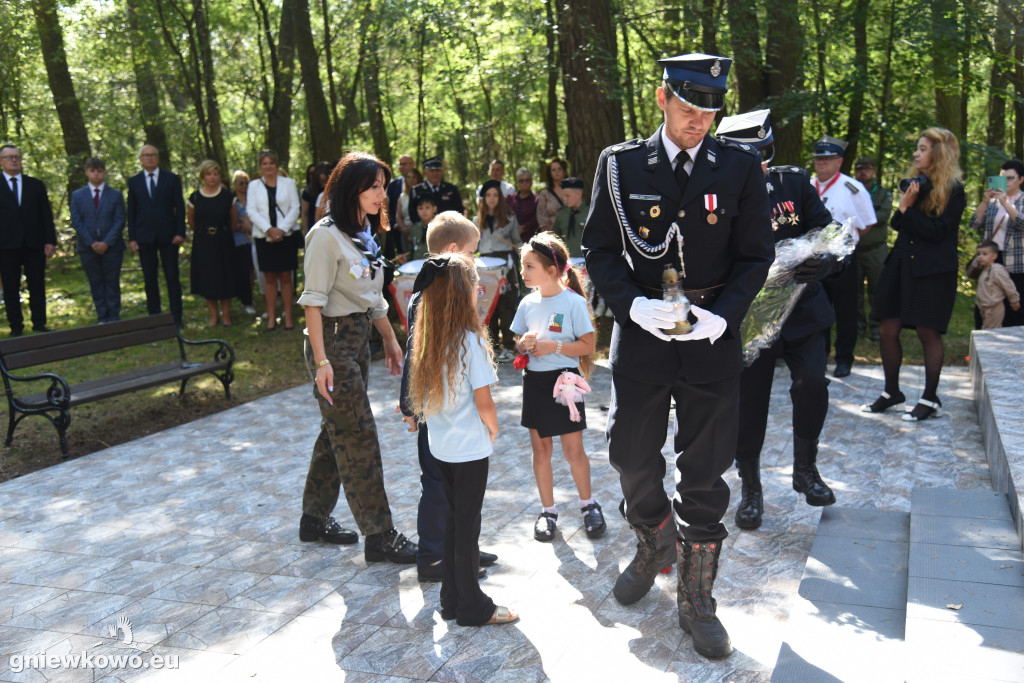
(547, 206)
(335, 276)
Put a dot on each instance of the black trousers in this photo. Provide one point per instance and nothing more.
(33, 261)
(461, 596)
(241, 273)
(809, 393)
(168, 257)
(432, 514)
(704, 445)
(842, 292)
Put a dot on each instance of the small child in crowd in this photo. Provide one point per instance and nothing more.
(556, 329)
(450, 232)
(418, 240)
(450, 382)
(994, 286)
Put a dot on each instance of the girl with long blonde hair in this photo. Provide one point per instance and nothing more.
(917, 286)
(556, 333)
(450, 383)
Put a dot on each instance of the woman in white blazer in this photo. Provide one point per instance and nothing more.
(272, 204)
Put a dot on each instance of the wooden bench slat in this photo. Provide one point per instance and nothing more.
(107, 387)
(89, 347)
(77, 334)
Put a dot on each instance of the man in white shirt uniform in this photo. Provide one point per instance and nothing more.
(846, 198)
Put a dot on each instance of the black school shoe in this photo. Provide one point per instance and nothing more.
(391, 546)
(313, 529)
(593, 521)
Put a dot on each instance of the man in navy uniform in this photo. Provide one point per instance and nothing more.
(686, 200)
(446, 196)
(795, 211)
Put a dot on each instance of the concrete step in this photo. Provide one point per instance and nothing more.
(965, 591)
(848, 623)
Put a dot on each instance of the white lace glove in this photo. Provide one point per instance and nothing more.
(653, 315)
(709, 326)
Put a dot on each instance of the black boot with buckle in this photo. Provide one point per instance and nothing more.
(698, 567)
(655, 550)
(751, 507)
(806, 479)
(391, 546)
(327, 530)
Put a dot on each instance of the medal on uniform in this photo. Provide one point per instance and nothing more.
(711, 204)
(644, 232)
(655, 212)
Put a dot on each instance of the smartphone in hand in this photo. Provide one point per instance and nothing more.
(997, 182)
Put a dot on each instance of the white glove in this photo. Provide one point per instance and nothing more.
(653, 315)
(709, 326)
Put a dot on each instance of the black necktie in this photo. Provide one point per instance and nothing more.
(152, 185)
(681, 175)
(14, 189)
(572, 222)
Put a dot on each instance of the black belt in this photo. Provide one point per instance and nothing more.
(701, 297)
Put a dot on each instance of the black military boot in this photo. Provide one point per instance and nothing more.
(315, 529)
(698, 567)
(806, 479)
(391, 546)
(751, 507)
(655, 550)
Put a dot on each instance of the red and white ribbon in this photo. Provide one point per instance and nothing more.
(711, 202)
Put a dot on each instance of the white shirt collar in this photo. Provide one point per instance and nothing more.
(93, 188)
(155, 172)
(673, 150)
(8, 178)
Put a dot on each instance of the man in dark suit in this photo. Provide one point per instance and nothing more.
(446, 196)
(397, 185)
(684, 200)
(27, 239)
(156, 228)
(97, 215)
(796, 210)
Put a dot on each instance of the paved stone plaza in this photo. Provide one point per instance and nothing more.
(192, 535)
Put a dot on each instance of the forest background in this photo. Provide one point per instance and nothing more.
(471, 81)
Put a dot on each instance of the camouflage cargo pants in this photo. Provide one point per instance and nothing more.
(347, 453)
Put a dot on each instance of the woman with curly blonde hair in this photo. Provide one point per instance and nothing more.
(917, 286)
(450, 382)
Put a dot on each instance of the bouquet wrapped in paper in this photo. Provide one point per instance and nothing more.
(776, 300)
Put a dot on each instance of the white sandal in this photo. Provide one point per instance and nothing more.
(928, 409)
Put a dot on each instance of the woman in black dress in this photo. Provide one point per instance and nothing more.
(213, 218)
(917, 286)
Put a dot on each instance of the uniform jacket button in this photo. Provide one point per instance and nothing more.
(681, 213)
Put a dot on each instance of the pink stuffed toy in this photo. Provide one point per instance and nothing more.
(569, 390)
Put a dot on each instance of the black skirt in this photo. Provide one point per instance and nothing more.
(917, 301)
(540, 411)
(278, 257)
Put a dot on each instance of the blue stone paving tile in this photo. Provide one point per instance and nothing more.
(974, 533)
(965, 602)
(864, 523)
(956, 503)
(982, 565)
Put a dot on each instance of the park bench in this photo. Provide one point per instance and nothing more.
(56, 401)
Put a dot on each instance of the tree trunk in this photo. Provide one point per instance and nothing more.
(69, 111)
(886, 87)
(709, 27)
(421, 109)
(784, 54)
(825, 111)
(945, 68)
(145, 82)
(860, 74)
(371, 83)
(551, 112)
(329, 63)
(634, 126)
(999, 77)
(323, 140)
(748, 64)
(279, 133)
(215, 135)
(587, 51)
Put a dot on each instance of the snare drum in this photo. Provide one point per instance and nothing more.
(580, 264)
(401, 288)
(493, 273)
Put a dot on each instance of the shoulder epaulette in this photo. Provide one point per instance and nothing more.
(851, 186)
(787, 169)
(732, 144)
(625, 146)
